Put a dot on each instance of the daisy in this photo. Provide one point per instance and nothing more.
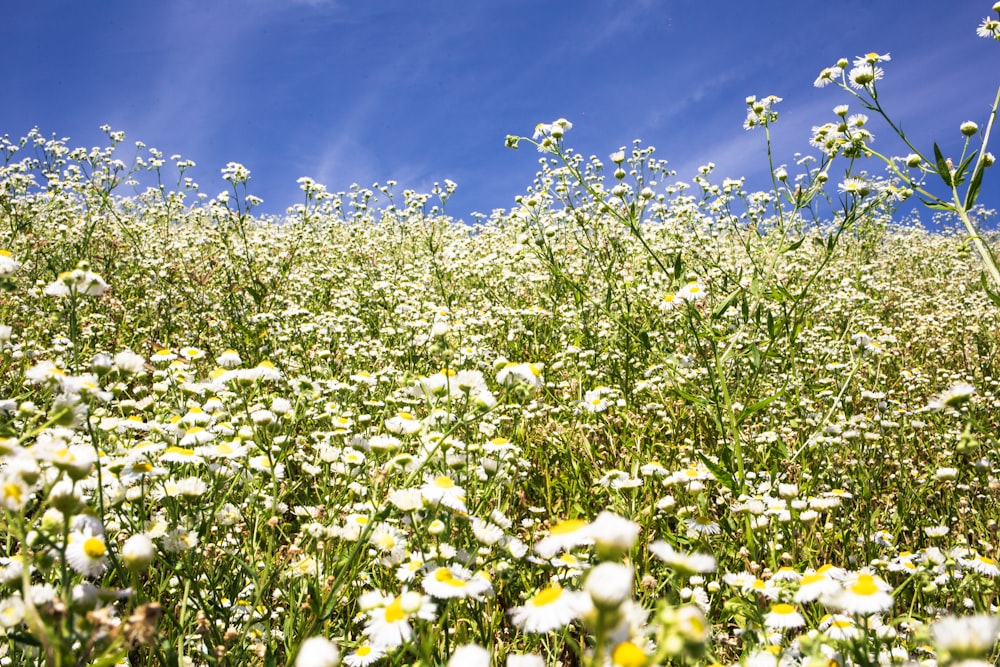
(814, 585)
(8, 265)
(966, 637)
(682, 562)
(783, 616)
(364, 655)
(613, 534)
(609, 585)
(549, 609)
(628, 654)
(702, 525)
(989, 28)
(982, 565)
(562, 536)
(862, 595)
(692, 292)
(470, 655)
(456, 582)
(87, 554)
(442, 489)
(11, 611)
(318, 652)
(838, 627)
(389, 623)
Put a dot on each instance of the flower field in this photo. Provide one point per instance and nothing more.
(635, 420)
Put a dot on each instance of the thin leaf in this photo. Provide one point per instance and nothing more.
(994, 297)
(722, 476)
(977, 181)
(721, 309)
(796, 245)
(942, 165)
(935, 205)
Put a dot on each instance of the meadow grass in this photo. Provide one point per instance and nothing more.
(633, 421)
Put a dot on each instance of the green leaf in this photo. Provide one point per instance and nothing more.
(977, 181)
(796, 245)
(942, 165)
(756, 407)
(722, 476)
(994, 297)
(936, 205)
(721, 309)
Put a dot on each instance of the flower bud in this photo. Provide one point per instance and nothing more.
(968, 128)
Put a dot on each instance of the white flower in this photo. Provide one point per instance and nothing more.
(550, 609)
(87, 554)
(966, 637)
(8, 265)
(609, 585)
(318, 652)
(470, 655)
(138, 552)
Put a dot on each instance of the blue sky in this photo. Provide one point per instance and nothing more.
(422, 91)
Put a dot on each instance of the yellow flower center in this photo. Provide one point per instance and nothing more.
(445, 576)
(546, 596)
(12, 490)
(444, 482)
(567, 527)
(628, 654)
(783, 609)
(865, 585)
(94, 548)
(394, 612)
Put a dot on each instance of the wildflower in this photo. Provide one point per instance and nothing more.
(691, 292)
(442, 489)
(138, 552)
(86, 553)
(782, 617)
(389, 622)
(550, 609)
(863, 76)
(982, 565)
(8, 265)
(364, 655)
(814, 585)
(403, 423)
(759, 111)
(863, 595)
(828, 75)
(470, 655)
(563, 535)
(682, 562)
(456, 582)
(78, 281)
(871, 59)
(613, 535)
(14, 493)
(318, 652)
(856, 186)
(514, 374)
(989, 28)
(628, 654)
(702, 525)
(609, 585)
(838, 627)
(966, 637)
(235, 173)
(11, 611)
(525, 660)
